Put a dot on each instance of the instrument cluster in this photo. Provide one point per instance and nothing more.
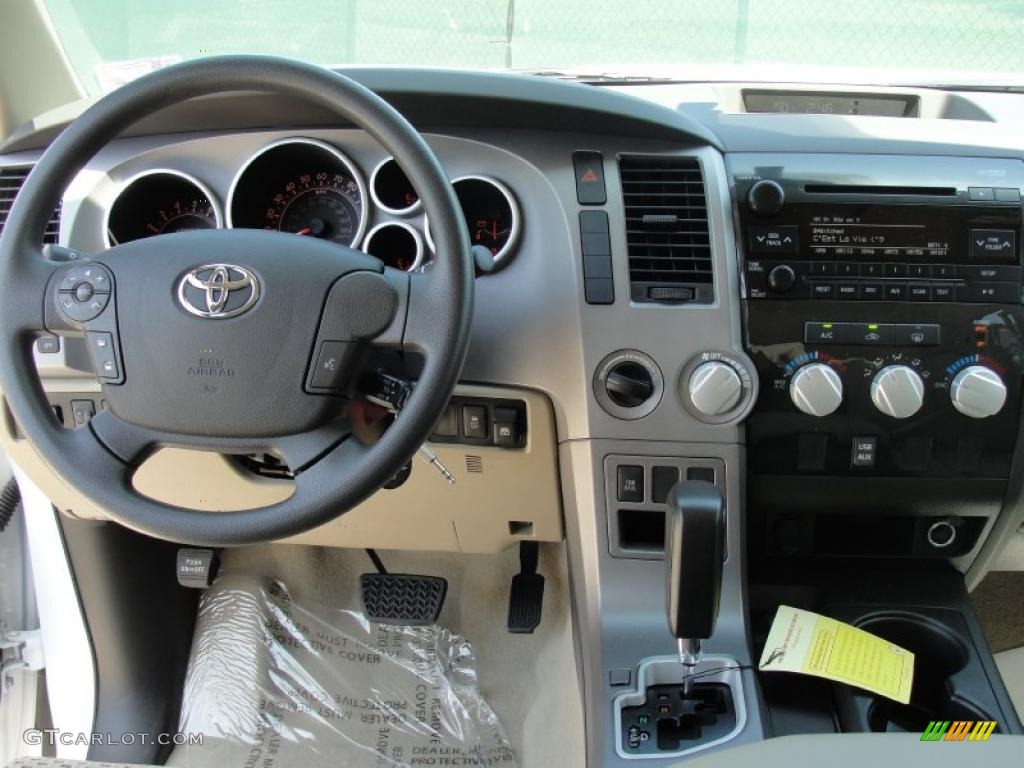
(310, 188)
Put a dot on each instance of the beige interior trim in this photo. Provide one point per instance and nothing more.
(35, 74)
(515, 497)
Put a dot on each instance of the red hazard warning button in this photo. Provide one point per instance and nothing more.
(589, 170)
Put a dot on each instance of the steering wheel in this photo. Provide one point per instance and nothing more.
(235, 341)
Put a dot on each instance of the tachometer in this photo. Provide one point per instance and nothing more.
(302, 186)
(160, 202)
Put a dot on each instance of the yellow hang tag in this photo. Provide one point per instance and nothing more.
(805, 642)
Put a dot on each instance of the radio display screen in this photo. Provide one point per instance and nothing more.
(905, 233)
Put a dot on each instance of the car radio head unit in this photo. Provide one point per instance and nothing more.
(803, 238)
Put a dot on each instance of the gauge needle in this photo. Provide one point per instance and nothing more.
(304, 231)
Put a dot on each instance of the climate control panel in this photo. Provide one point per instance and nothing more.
(850, 395)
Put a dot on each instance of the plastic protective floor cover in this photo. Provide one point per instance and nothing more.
(274, 683)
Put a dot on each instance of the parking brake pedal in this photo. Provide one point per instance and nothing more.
(401, 598)
(527, 596)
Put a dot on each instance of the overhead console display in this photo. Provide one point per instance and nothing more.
(826, 103)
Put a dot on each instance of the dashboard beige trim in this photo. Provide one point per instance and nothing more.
(516, 496)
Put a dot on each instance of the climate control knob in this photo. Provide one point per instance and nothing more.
(977, 392)
(816, 389)
(715, 388)
(897, 391)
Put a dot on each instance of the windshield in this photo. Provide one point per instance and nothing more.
(862, 41)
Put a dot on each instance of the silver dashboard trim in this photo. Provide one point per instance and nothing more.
(351, 167)
(218, 213)
(409, 210)
(420, 252)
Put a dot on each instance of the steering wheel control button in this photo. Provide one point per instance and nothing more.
(48, 345)
(864, 452)
(82, 411)
(474, 422)
(589, 170)
(82, 311)
(329, 370)
(83, 292)
(104, 355)
(630, 484)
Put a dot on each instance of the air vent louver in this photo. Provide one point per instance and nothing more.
(11, 180)
(667, 230)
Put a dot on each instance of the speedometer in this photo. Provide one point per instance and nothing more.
(302, 186)
(321, 204)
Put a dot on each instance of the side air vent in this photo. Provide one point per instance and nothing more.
(11, 180)
(667, 230)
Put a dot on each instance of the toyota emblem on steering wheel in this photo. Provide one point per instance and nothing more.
(218, 291)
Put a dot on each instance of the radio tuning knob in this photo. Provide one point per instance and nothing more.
(897, 391)
(781, 278)
(765, 197)
(816, 389)
(978, 392)
(715, 388)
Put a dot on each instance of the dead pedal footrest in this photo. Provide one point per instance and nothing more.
(402, 598)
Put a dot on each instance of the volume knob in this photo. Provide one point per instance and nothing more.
(715, 388)
(977, 392)
(897, 391)
(816, 389)
(765, 197)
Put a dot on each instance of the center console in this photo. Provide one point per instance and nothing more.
(883, 316)
(882, 312)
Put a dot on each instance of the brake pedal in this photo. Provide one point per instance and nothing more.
(403, 598)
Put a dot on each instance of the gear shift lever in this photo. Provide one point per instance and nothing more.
(694, 551)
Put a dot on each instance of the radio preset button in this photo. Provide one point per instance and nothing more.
(846, 269)
(919, 292)
(871, 291)
(823, 268)
(847, 291)
(871, 270)
(946, 271)
(989, 243)
(943, 292)
(895, 270)
(895, 291)
(919, 270)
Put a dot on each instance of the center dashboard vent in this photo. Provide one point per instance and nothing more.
(667, 234)
(11, 180)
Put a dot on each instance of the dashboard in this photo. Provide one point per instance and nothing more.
(814, 308)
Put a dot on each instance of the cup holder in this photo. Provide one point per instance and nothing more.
(938, 656)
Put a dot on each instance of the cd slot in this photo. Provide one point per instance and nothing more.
(868, 189)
